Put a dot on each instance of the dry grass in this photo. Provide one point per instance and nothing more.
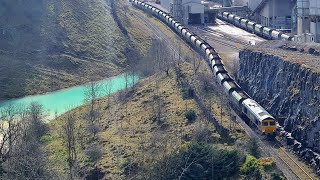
(167, 31)
(134, 132)
(304, 59)
(130, 129)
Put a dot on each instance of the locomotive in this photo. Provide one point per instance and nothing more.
(257, 115)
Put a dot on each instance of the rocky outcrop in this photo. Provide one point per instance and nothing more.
(287, 84)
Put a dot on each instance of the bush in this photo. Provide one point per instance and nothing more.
(202, 134)
(275, 176)
(187, 93)
(94, 152)
(128, 166)
(191, 116)
(251, 165)
(267, 163)
(253, 147)
(196, 161)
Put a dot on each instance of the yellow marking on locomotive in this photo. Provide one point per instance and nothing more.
(268, 126)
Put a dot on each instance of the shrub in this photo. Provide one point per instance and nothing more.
(266, 163)
(251, 165)
(196, 161)
(253, 147)
(94, 152)
(191, 116)
(128, 166)
(202, 134)
(187, 93)
(275, 176)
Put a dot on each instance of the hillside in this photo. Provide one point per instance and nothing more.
(53, 44)
(142, 126)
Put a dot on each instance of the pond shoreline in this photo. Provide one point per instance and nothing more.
(58, 102)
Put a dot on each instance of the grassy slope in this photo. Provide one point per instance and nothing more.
(131, 135)
(78, 41)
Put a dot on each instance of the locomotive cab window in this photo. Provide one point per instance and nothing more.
(263, 113)
(272, 123)
(265, 124)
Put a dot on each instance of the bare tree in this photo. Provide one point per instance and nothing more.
(92, 116)
(69, 134)
(196, 64)
(236, 68)
(157, 59)
(8, 131)
(163, 56)
(134, 58)
(108, 91)
(26, 160)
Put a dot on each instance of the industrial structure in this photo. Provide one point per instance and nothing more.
(301, 17)
(186, 11)
(308, 20)
(274, 13)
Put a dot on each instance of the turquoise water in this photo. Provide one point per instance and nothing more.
(58, 102)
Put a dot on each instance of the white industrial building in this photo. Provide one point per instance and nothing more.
(186, 11)
(308, 12)
(278, 14)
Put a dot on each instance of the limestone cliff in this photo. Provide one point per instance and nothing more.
(285, 79)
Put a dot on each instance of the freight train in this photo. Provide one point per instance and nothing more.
(254, 27)
(250, 108)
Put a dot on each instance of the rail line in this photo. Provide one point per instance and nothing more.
(222, 41)
(304, 175)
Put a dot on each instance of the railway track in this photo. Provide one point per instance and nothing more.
(289, 166)
(289, 161)
(291, 169)
(233, 46)
(231, 42)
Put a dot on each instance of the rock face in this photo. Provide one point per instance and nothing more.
(287, 84)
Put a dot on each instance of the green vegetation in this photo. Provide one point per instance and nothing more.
(191, 116)
(196, 161)
(259, 168)
(251, 166)
(253, 147)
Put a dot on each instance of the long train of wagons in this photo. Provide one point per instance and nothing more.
(252, 26)
(250, 108)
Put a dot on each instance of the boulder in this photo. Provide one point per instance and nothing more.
(311, 50)
(297, 146)
(290, 140)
